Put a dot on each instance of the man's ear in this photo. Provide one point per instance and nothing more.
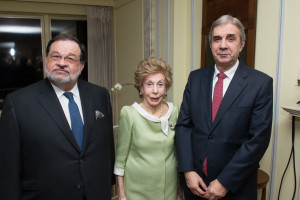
(242, 46)
(82, 66)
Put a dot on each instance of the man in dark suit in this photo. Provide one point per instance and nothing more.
(225, 120)
(45, 153)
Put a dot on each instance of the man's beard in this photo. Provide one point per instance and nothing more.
(65, 80)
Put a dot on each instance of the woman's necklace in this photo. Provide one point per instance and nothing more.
(161, 109)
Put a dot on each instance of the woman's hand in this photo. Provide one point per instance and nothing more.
(121, 192)
(122, 197)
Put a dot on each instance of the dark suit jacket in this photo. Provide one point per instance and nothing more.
(238, 138)
(40, 159)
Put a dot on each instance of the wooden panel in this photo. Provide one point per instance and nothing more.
(217, 8)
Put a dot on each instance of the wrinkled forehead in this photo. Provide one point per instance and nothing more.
(226, 29)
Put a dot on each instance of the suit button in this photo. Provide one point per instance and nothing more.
(210, 137)
(78, 186)
(81, 161)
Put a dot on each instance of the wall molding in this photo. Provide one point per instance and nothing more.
(75, 2)
(277, 100)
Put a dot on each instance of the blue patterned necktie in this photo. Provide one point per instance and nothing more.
(76, 121)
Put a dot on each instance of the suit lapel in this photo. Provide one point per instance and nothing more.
(206, 90)
(237, 85)
(49, 101)
(86, 111)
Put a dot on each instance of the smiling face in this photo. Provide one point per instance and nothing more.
(153, 89)
(226, 45)
(63, 64)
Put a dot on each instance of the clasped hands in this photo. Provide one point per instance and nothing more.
(214, 191)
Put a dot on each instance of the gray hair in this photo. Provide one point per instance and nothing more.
(226, 19)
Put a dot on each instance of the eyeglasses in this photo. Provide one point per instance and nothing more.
(151, 85)
(68, 59)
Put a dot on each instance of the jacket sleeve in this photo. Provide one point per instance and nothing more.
(10, 153)
(183, 133)
(111, 140)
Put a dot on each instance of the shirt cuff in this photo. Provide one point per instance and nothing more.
(119, 172)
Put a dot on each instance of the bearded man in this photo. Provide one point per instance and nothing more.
(56, 139)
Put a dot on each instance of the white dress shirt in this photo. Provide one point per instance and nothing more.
(226, 81)
(64, 101)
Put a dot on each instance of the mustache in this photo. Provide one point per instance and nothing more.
(61, 68)
(223, 52)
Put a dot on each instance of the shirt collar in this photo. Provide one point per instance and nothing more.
(59, 92)
(229, 73)
(163, 120)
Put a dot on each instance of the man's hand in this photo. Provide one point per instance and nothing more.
(215, 190)
(193, 181)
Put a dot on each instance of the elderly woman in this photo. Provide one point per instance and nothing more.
(145, 162)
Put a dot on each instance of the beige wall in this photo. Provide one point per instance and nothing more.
(266, 56)
(129, 50)
(64, 7)
(180, 58)
(180, 39)
(17, 7)
(74, 2)
(289, 94)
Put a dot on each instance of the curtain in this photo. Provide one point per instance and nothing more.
(100, 51)
(100, 45)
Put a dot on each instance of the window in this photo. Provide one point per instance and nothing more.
(21, 58)
(20, 54)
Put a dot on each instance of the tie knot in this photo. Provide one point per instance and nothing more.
(221, 75)
(69, 95)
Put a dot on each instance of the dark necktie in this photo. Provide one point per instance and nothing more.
(76, 121)
(217, 99)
